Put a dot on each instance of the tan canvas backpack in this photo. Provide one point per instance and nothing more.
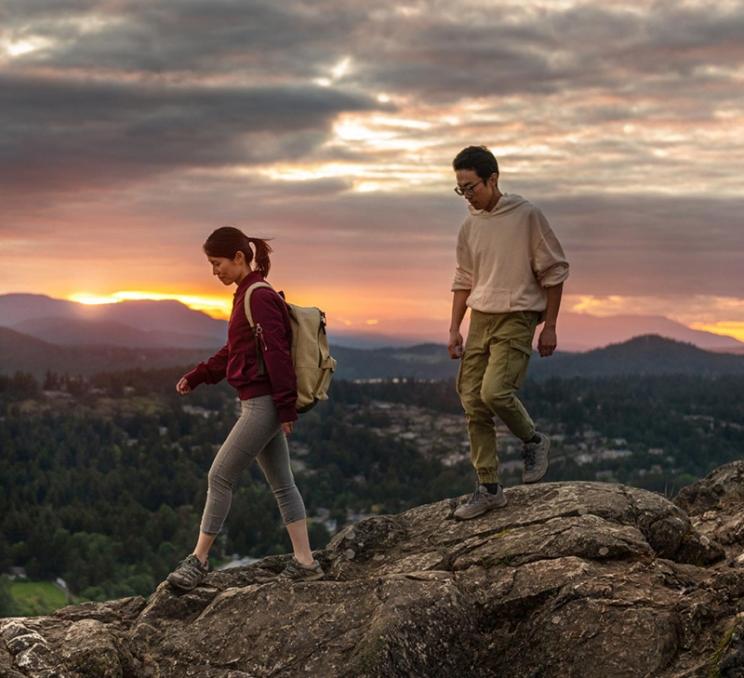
(311, 356)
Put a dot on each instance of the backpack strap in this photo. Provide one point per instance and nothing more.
(257, 330)
(247, 300)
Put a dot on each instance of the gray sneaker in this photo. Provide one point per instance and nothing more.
(479, 502)
(189, 574)
(296, 571)
(536, 459)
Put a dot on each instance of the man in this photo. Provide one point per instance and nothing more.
(510, 272)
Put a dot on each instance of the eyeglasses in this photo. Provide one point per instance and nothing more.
(467, 190)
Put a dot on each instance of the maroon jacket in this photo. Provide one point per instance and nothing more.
(238, 359)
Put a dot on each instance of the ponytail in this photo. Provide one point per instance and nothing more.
(263, 263)
(227, 241)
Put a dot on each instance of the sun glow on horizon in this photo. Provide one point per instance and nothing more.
(352, 310)
(216, 307)
(723, 328)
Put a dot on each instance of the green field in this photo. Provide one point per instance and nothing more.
(31, 598)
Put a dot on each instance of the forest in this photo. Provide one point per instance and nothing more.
(102, 479)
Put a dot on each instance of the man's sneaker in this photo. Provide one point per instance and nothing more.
(296, 571)
(479, 502)
(536, 460)
(189, 573)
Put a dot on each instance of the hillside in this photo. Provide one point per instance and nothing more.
(95, 332)
(650, 355)
(21, 352)
(172, 323)
(568, 575)
(132, 324)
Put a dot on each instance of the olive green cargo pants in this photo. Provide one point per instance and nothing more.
(493, 367)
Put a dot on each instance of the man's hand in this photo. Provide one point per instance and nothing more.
(287, 427)
(183, 386)
(455, 345)
(547, 342)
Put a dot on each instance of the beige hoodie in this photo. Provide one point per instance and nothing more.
(507, 257)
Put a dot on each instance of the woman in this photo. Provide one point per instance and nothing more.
(264, 378)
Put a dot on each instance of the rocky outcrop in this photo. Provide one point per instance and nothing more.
(715, 506)
(570, 579)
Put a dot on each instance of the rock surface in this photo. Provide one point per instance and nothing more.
(570, 579)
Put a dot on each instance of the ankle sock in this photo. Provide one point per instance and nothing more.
(492, 488)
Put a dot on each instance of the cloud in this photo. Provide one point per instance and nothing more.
(258, 39)
(146, 123)
(63, 133)
(640, 244)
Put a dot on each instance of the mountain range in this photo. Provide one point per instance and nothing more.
(644, 355)
(650, 355)
(39, 333)
(166, 324)
(23, 353)
(131, 324)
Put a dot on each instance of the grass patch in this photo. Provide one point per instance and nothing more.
(32, 598)
(715, 660)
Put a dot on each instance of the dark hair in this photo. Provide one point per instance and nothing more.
(228, 241)
(476, 158)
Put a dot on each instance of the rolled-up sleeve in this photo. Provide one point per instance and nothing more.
(549, 262)
(464, 264)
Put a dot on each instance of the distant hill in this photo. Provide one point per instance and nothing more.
(649, 354)
(582, 332)
(20, 352)
(94, 332)
(424, 361)
(133, 324)
(153, 324)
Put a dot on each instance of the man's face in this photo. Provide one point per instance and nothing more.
(477, 192)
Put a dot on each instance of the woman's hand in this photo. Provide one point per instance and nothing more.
(287, 427)
(183, 386)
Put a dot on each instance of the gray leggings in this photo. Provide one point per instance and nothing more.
(256, 435)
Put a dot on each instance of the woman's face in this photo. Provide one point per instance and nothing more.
(229, 271)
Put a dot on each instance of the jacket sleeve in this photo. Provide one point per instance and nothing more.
(275, 345)
(464, 267)
(210, 372)
(549, 263)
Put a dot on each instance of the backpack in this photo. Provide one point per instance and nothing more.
(311, 356)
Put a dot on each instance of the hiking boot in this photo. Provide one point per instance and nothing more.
(535, 457)
(479, 502)
(296, 571)
(189, 573)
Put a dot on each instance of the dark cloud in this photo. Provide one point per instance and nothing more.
(578, 48)
(68, 133)
(432, 50)
(659, 61)
(273, 40)
(632, 244)
(149, 101)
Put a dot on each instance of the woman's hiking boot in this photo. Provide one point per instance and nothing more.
(535, 455)
(296, 571)
(481, 501)
(188, 574)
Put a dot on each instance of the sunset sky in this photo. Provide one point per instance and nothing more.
(131, 129)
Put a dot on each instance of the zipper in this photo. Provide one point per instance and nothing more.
(260, 336)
